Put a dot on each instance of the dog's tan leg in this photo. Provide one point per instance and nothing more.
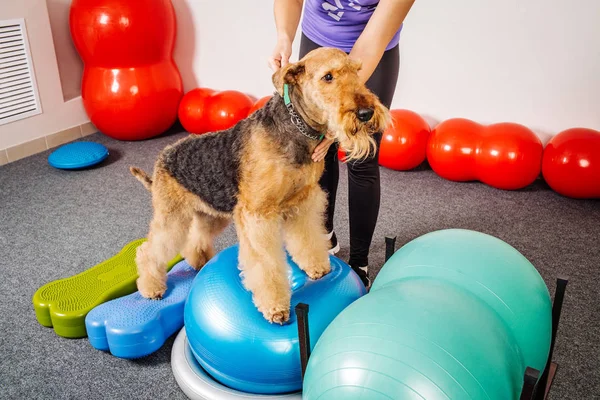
(199, 245)
(263, 264)
(165, 239)
(305, 233)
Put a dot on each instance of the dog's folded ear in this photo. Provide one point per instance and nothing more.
(289, 74)
(356, 64)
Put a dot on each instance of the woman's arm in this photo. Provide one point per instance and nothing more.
(287, 18)
(381, 28)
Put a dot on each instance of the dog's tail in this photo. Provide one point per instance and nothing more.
(141, 176)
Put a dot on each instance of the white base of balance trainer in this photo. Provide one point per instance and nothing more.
(199, 385)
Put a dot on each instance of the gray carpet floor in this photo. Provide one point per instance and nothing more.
(54, 224)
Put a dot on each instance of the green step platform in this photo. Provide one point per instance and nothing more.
(63, 304)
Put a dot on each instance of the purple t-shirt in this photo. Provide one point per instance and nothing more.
(338, 23)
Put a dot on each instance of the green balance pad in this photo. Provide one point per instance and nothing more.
(64, 303)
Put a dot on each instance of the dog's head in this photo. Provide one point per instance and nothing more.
(324, 85)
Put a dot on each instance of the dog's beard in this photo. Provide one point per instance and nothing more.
(359, 147)
(356, 137)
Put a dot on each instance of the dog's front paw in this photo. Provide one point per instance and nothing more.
(197, 260)
(318, 271)
(151, 289)
(277, 315)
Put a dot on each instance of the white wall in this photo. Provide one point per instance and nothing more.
(57, 114)
(70, 66)
(535, 62)
(225, 49)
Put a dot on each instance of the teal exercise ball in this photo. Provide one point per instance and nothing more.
(491, 269)
(454, 314)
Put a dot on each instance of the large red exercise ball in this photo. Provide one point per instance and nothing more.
(192, 115)
(571, 163)
(404, 143)
(131, 86)
(260, 103)
(503, 155)
(226, 108)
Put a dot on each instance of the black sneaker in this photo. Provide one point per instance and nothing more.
(335, 246)
(363, 273)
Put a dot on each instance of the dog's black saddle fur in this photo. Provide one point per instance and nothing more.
(208, 165)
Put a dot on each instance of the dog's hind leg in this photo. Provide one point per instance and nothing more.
(263, 263)
(305, 233)
(199, 246)
(168, 231)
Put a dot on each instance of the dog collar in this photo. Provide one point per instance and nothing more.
(296, 119)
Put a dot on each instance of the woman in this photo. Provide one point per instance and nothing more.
(369, 31)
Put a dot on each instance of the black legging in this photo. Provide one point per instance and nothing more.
(364, 190)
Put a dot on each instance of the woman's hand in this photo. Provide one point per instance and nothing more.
(381, 28)
(281, 54)
(321, 149)
(287, 17)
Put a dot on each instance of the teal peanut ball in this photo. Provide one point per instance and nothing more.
(453, 314)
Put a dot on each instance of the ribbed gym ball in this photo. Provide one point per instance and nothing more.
(454, 314)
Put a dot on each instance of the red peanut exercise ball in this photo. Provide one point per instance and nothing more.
(504, 155)
(259, 104)
(192, 110)
(451, 149)
(227, 108)
(404, 143)
(131, 87)
(571, 163)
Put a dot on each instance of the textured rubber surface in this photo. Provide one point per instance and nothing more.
(133, 326)
(78, 155)
(64, 303)
(198, 385)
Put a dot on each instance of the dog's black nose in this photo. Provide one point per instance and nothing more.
(365, 114)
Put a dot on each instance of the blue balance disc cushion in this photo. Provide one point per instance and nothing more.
(78, 155)
(133, 326)
(237, 346)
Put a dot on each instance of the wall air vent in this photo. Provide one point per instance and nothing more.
(19, 97)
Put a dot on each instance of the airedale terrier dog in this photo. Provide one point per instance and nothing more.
(260, 174)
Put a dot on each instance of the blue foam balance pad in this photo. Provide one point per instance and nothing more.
(78, 155)
(133, 326)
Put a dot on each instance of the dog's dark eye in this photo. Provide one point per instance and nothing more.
(328, 78)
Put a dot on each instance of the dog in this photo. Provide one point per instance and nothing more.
(260, 175)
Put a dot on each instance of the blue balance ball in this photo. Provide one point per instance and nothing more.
(233, 342)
